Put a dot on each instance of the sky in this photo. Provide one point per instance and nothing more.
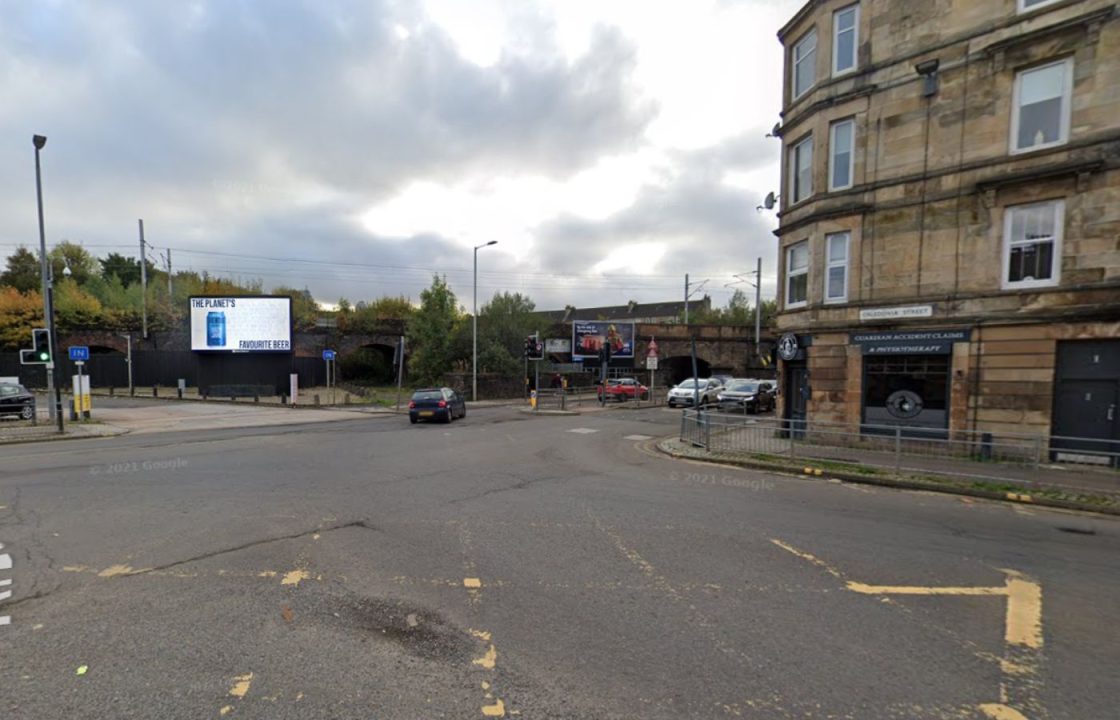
(357, 148)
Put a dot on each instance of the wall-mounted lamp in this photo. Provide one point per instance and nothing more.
(928, 70)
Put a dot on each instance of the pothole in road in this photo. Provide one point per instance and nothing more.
(418, 631)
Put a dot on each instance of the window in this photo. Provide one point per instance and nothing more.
(1028, 5)
(804, 63)
(797, 274)
(801, 170)
(1040, 115)
(836, 281)
(841, 141)
(845, 39)
(1032, 247)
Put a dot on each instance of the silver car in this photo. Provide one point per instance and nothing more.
(686, 393)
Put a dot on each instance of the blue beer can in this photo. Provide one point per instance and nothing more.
(215, 329)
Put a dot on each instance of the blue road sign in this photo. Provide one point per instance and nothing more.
(79, 352)
(328, 354)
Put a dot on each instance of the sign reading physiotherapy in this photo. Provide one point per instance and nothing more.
(238, 324)
(589, 337)
(920, 342)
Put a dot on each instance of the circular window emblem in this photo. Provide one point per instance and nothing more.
(904, 404)
(788, 346)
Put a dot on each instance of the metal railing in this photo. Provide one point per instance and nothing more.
(887, 445)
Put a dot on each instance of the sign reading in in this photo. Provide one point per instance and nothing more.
(328, 354)
(921, 342)
(891, 313)
(241, 324)
(79, 353)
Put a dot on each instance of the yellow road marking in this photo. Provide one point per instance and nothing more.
(498, 709)
(999, 711)
(472, 583)
(114, 570)
(489, 659)
(917, 590)
(1024, 611)
(294, 577)
(241, 685)
(226, 710)
(806, 556)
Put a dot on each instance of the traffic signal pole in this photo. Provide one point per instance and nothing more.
(52, 366)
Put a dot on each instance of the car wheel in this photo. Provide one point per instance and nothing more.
(412, 420)
(28, 412)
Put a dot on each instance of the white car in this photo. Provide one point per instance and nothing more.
(686, 393)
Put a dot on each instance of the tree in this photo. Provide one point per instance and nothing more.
(19, 314)
(82, 264)
(23, 272)
(127, 269)
(430, 331)
(371, 317)
(74, 307)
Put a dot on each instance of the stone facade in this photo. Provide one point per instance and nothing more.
(942, 170)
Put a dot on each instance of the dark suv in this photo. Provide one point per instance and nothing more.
(16, 400)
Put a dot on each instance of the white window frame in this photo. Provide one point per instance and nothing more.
(1022, 5)
(829, 264)
(855, 40)
(794, 154)
(832, 154)
(1067, 107)
(1056, 256)
(791, 273)
(795, 61)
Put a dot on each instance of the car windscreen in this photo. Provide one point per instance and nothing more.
(744, 387)
(428, 395)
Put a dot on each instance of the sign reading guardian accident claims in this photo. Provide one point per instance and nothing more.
(588, 337)
(922, 342)
(241, 324)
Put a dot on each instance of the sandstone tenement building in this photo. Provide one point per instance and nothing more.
(950, 216)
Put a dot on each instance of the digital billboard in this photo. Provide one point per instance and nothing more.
(588, 337)
(241, 324)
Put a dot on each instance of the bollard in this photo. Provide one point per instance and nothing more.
(986, 446)
(316, 399)
(111, 391)
(155, 391)
(283, 399)
(256, 398)
(346, 399)
(180, 391)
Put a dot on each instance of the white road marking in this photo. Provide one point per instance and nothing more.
(638, 437)
(583, 431)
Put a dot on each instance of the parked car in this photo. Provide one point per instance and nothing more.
(436, 404)
(686, 392)
(622, 389)
(723, 380)
(751, 396)
(16, 400)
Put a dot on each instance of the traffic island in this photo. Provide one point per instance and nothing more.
(990, 489)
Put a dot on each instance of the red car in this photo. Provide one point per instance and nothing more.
(623, 389)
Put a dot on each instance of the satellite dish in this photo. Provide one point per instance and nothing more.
(770, 201)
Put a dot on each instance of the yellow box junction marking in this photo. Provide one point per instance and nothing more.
(294, 577)
(1022, 625)
(472, 583)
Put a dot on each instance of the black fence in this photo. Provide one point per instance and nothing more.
(166, 367)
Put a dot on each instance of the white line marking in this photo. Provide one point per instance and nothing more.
(5, 620)
(583, 431)
(638, 437)
(5, 562)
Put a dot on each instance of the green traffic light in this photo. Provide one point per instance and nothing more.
(44, 356)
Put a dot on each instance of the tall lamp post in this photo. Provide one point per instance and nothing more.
(48, 292)
(474, 322)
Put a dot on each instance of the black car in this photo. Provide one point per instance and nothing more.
(16, 400)
(442, 404)
(750, 396)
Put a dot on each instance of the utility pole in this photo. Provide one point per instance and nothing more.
(48, 297)
(143, 280)
(169, 275)
(758, 309)
(686, 298)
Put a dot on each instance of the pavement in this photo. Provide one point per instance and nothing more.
(508, 565)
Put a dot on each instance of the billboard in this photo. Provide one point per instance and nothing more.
(241, 324)
(588, 337)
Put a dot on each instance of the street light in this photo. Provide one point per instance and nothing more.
(48, 294)
(474, 322)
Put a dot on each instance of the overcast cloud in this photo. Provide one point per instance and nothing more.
(608, 147)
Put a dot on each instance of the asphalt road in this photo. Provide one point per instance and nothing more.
(528, 567)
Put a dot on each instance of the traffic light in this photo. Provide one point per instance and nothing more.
(40, 352)
(529, 344)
